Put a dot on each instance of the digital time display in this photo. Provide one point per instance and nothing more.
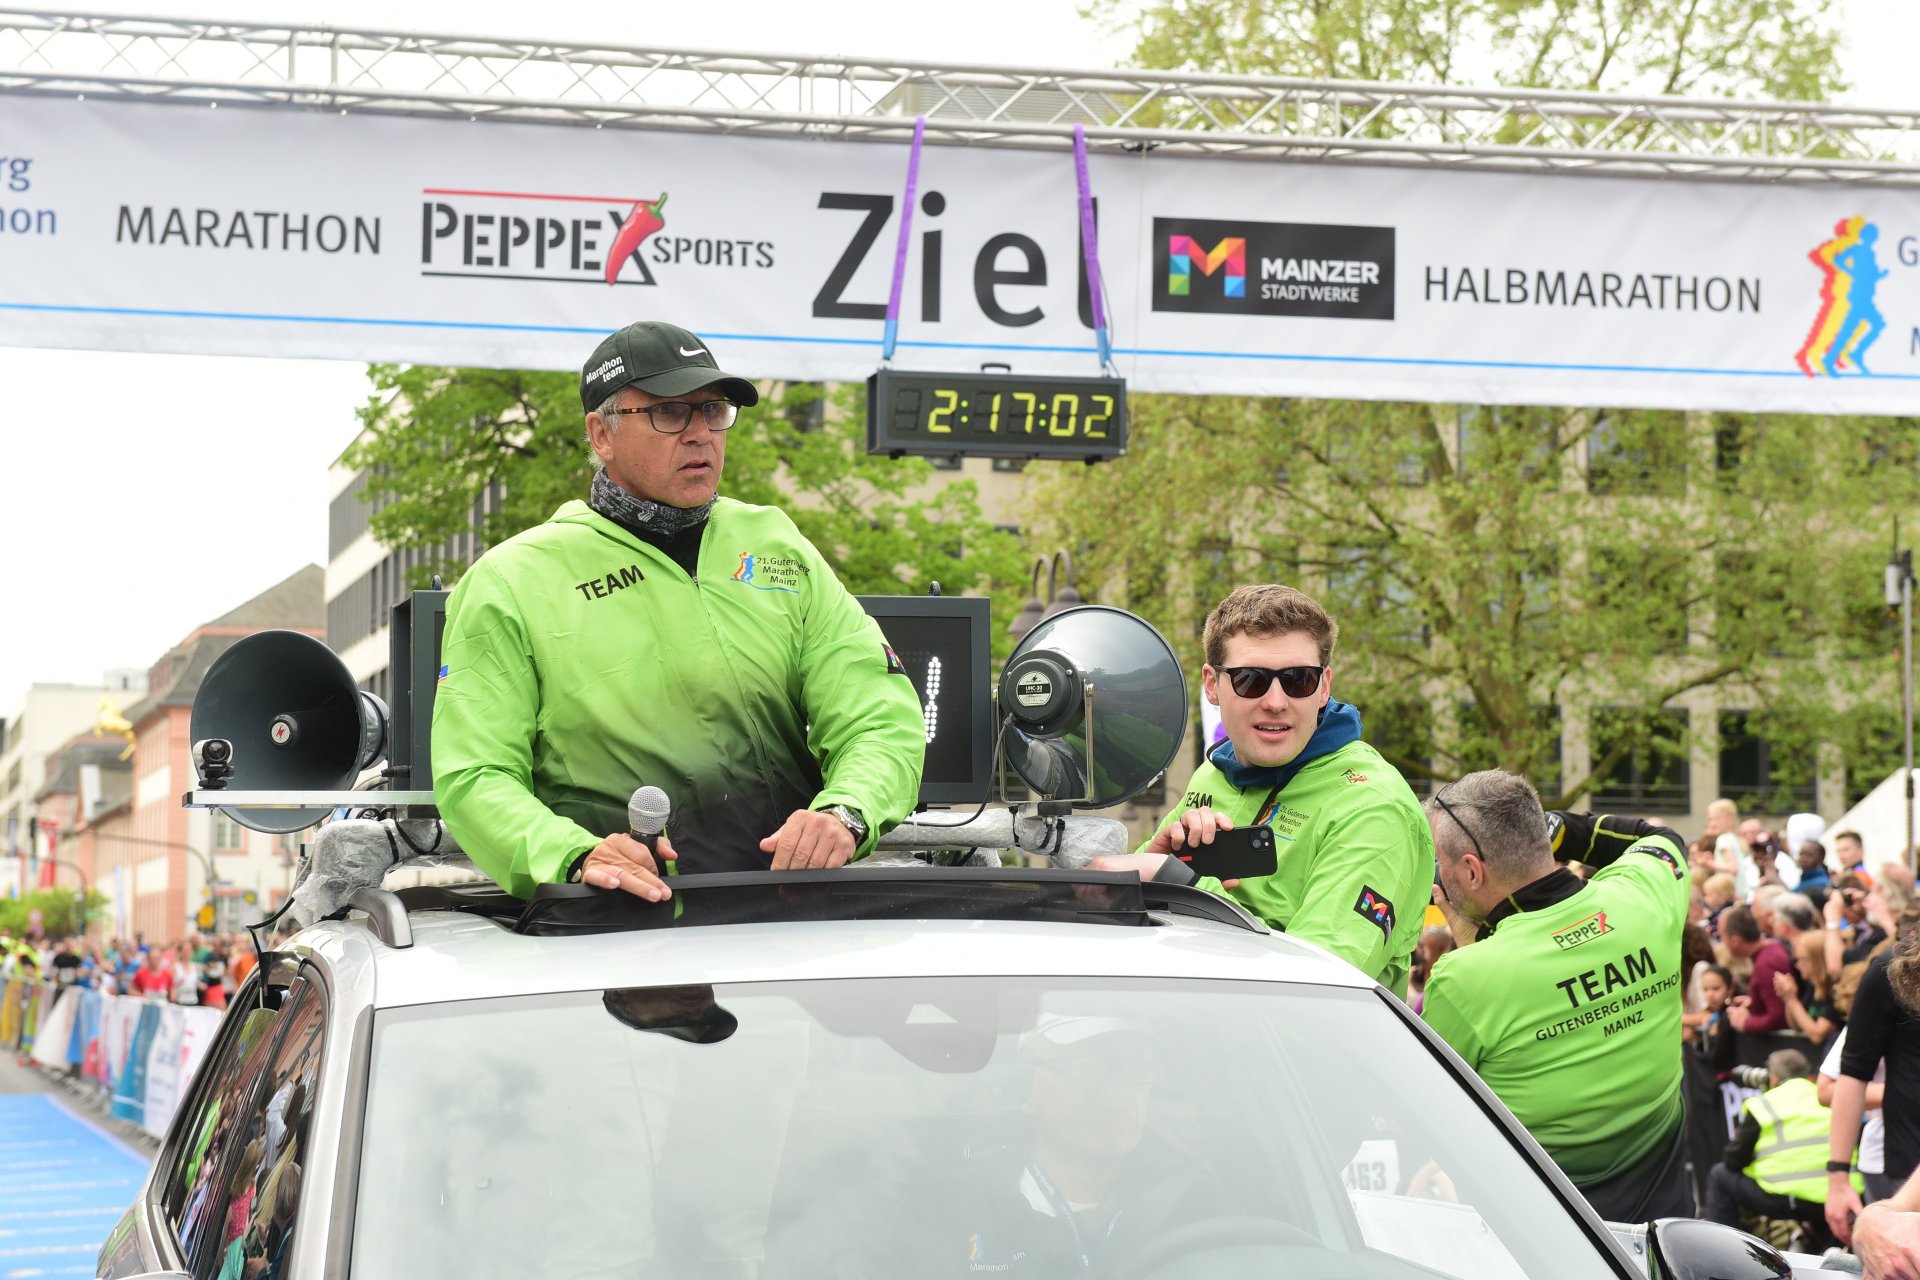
(995, 415)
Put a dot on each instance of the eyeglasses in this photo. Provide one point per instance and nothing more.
(1252, 682)
(1439, 798)
(671, 417)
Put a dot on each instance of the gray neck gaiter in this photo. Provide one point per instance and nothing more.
(642, 516)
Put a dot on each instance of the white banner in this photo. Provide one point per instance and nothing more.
(262, 232)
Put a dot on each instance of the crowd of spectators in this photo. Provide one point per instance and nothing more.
(1785, 938)
(195, 969)
(1784, 929)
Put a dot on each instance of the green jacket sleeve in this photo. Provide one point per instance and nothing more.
(864, 723)
(1445, 1014)
(484, 718)
(1365, 874)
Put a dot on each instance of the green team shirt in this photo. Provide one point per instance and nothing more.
(582, 662)
(1571, 1011)
(1355, 857)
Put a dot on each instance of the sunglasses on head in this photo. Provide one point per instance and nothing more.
(1252, 682)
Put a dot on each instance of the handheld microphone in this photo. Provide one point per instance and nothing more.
(647, 816)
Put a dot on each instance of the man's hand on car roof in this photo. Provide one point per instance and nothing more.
(809, 840)
(621, 862)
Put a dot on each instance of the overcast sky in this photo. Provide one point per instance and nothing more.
(142, 495)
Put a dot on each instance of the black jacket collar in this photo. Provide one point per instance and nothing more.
(1549, 890)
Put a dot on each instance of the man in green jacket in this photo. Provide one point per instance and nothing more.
(1355, 855)
(658, 634)
(1567, 1001)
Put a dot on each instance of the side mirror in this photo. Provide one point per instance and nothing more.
(1689, 1249)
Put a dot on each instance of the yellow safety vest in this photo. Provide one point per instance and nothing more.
(1791, 1157)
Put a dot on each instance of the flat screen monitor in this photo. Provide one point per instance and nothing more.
(942, 642)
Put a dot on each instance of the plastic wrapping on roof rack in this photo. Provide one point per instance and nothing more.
(1068, 841)
(356, 853)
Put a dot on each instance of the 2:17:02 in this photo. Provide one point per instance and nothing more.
(1060, 418)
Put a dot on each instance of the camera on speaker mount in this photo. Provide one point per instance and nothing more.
(213, 761)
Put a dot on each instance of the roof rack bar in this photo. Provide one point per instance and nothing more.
(387, 914)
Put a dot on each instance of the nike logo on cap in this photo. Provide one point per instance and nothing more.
(697, 351)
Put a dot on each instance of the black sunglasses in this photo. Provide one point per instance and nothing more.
(1252, 682)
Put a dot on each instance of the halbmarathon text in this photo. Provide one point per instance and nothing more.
(1515, 287)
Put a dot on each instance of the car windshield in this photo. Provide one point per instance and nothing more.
(932, 1127)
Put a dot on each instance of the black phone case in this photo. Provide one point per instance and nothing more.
(1238, 854)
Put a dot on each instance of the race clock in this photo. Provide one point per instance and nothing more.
(997, 415)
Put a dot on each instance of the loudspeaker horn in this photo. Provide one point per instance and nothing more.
(296, 720)
(1095, 705)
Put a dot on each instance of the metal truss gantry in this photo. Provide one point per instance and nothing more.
(315, 68)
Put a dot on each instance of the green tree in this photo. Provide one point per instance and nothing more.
(1492, 567)
(437, 441)
(1733, 48)
(1489, 567)
(63, 913)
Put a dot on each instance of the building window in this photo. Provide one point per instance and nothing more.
(946, 462)
(226, 833)
(1651, 772)
(1759, 776)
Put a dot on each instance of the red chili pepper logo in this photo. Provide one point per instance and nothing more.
(642, 222)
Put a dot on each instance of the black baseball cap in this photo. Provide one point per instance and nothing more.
(660, 359)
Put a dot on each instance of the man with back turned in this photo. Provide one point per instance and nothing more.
(1568, 1000)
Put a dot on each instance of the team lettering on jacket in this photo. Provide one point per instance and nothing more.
(617, 580)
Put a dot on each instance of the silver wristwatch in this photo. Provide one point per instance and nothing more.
(851, 819)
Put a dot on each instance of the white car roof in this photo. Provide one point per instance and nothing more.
(456, 956)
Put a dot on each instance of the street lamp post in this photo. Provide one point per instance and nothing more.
(1060, 594)
(1900, 596)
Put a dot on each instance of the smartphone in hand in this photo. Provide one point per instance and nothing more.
(1239, 854)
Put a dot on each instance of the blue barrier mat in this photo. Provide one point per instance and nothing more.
(64, 1182)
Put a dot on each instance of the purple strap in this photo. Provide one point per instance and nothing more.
(892, 335)
(1090, 244)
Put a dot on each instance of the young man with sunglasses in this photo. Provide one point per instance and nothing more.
(658, 634)
(1568, 1000)
(1355, 853)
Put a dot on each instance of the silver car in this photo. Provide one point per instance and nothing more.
(861, 1073)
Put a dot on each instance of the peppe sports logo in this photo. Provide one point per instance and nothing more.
(1353, 776)
(1585, 929)
(1273, 268)
(895, 667)
(1376, 910)
(564, 239)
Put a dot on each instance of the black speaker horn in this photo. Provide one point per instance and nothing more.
(1094, 705)
(295, 718)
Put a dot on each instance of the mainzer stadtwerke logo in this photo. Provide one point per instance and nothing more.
(1272, 268)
